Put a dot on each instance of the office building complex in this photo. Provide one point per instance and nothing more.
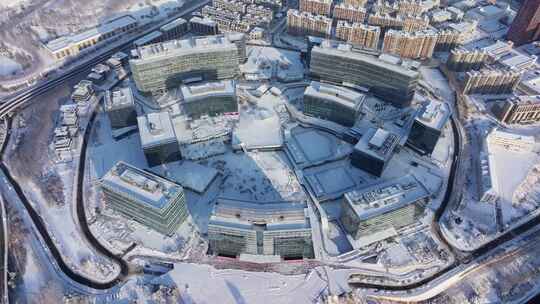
(526, 25)
(164, 65)
(374, 151)
(461, 59)
(304, 23)
(428, 126)
(376, 212)
(490, 81)
(418, 45)
(209, 99)
(203, 26)
(158, 139)
(316, 7)
(520, 110)
(92, 38)
(333, 103)
(175, 29)
(120, 108)
(339, 63)
(363, 35)
(271, 228)
(144, 197)
(349, 13)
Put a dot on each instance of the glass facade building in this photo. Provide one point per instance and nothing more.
(209, 99)
(339, 63)
(165, 65)
(271, 228)
(146, 198)
(333, 103)
(389, 205)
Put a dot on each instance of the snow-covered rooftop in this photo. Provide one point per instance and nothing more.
(195, 45)
(378, 143)
(386, 196)
(339, 95)
(210, 89)
(435, 114)
(120, 98)
(275, 215)
(145, 187)
(346, 51)
(156, 129)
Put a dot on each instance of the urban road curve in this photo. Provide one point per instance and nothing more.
(10, 107)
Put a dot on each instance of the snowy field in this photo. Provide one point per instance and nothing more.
(12, 3)
(8, 66)
(235, 286)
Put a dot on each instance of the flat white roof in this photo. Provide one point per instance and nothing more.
(185, 46)
(156, 129)
(147, 188)
(278, 215)
(340, 95)
(435, 114)
(120, 98)
(378, 143)
(208, 89)
(345, 50)
(386, 196)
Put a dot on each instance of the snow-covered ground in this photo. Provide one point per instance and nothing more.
(13, 3)
(9, 66)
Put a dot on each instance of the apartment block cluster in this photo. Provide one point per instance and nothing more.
(401, 28)
(521, 109)
(493, 69)
(242, 15)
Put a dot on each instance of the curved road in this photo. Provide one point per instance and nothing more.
(10, 106)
